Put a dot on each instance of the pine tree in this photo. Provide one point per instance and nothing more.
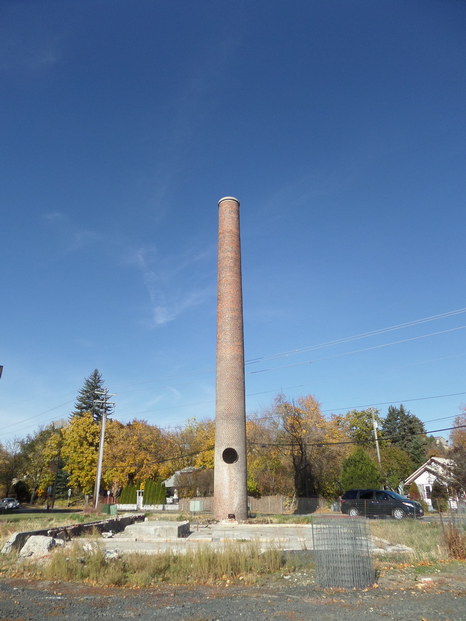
(359, 471)
(407, 432)
(90, 397)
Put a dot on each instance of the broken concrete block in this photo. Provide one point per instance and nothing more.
(37, 545)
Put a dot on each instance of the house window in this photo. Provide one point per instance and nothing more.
(428, 491)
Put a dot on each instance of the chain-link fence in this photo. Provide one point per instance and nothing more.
(342, 549)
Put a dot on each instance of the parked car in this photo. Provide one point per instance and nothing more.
(8, 504)
(377, 502)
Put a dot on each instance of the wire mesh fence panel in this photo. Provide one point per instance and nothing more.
(342, 552)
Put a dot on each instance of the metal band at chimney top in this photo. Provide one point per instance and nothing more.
(230, 478)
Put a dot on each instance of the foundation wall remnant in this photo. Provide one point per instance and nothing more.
(230, 479)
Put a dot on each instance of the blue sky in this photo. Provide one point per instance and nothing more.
(341, 128)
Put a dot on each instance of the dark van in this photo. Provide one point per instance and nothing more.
(376, 502)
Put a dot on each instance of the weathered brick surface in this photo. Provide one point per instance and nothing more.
(230, 478)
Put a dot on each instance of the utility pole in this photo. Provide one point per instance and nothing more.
(374, 425)
(105, 403)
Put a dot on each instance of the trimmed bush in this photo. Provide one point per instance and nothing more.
(154, 493)
(128, 495)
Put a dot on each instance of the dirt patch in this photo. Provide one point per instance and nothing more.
(404, 594)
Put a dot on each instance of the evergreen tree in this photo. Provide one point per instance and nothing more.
(407, 432)
(439, 496)
(90, 397)
(154, 493)
(359, 471)
(128, 495)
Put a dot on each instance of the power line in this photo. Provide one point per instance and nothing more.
(342, 442)
(266, 416)
(264, 444)
(357, 351)
(301, 350)
(37, 415)
(370, 405)
(348, 408)
(356, 337)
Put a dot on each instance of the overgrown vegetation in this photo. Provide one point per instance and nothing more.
(29, 521)
(454, 537)
(243, 562)
(240, 561)
(430, 541)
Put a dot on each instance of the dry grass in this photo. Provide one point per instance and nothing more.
(243, 563)
(240, 562)
(281, 519)
(454, 538)
(23, 522)
(430, 541)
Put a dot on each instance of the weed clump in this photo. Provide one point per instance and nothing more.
(245, 562)
(455, 541)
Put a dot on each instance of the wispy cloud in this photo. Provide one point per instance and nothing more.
(174, 392)
(171, 290)
(170, 309)
(72, 236)
(53, 216)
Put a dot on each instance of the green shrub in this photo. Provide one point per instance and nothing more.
(439, 496)
(154, 492)
(128, 495)
(359, 471)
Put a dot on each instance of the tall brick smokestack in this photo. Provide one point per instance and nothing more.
(230, 482)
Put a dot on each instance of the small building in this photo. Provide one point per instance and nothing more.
(190, 482)
(435, 468)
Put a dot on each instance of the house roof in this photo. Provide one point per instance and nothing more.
(439, 466)
(170, 482)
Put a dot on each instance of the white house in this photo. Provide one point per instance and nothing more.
(434, 468)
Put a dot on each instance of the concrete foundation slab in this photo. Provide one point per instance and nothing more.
(159, 529)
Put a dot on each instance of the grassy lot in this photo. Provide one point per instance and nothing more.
(424, 538)
(434, 545)
(14, 522)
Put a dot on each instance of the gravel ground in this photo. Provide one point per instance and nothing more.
(439, 597)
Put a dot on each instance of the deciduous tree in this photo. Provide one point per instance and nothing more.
(313, 443)
(396, 466)
(458, 435)
(39, 464)
(80, 451)
(269, 466)
(132, 453)
(360, 427)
